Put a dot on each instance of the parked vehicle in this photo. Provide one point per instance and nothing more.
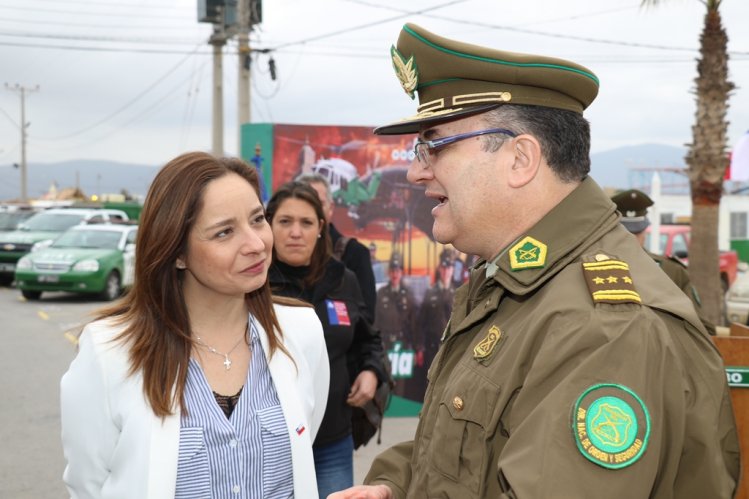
(737, 299)
(39, 230)
(11, 216)
(674, 241)
(95, 259)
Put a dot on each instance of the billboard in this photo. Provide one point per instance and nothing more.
(375, 204)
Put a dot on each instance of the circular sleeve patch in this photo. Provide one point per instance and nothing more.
(611, 425)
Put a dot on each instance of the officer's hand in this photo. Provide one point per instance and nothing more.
(364, 492)
(363, 389)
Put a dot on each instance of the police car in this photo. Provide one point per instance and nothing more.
(93, 259)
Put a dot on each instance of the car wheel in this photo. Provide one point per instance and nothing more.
(113, 288)
(31, 295)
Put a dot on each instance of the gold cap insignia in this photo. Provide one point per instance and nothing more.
(406, 71)
(486, 346)
(529, 253)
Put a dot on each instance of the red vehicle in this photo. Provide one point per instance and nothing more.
(675, 242)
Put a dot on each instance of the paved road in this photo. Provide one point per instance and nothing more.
(36, 347)
(35, 351)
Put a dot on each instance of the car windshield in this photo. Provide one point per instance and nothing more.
(53, 222)
(10, 221)
(100, 239)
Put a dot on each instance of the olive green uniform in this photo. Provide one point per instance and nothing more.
(677, 272)
(523, 349)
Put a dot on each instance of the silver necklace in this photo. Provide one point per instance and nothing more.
(227, 360)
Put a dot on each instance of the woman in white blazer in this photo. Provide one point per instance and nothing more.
(197, 383)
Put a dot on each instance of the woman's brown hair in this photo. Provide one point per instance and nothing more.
(157, 327)
(323, 247)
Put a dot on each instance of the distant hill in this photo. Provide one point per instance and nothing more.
(614, 168)
(92, 176)
(622, 167)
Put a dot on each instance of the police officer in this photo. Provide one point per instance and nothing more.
(570, 367)
(394, 318)
(633, 206)
(432, 318)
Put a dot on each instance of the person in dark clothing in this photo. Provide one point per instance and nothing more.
(396, 309)
(433, 315)
(303, 268)
(354, 255)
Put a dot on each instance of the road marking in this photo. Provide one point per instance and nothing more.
(71, 338)
(43, 315)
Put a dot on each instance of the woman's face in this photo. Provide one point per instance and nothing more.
(295, 231)
(229, 247)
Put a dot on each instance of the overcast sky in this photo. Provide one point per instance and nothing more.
(130, 80)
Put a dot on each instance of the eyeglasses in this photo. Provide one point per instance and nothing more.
(424, 149)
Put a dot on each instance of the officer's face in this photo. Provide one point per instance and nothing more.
(467, 183)
(295, 230)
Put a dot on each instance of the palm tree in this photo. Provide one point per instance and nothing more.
(707, 160)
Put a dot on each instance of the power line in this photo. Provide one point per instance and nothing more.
(100, 49)
(161, 26)
(94, 38)
(545, 33)
(368, 25)
(126, 105)
(107, 4)
(36, 10)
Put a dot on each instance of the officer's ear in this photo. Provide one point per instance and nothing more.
(526, 154)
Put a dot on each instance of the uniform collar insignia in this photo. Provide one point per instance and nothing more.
(406, 71)
(486, 346)
(529, 253)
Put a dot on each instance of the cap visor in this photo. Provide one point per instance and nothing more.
(415, 123)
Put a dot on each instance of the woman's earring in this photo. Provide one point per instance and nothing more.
(180, 265)
(319, 235)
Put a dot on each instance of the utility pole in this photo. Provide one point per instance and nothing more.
(22, 91)
(243, 82)
(218, 40)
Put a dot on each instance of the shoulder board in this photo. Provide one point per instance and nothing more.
(608, 280)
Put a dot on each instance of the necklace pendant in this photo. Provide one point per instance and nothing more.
(227, 362)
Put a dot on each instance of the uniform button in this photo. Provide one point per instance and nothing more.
(235, 489)
(232, 443)
(488, 302)
(458, 403)
(600, 257)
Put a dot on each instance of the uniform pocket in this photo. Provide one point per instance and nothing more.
(193, 470)
(466, 420)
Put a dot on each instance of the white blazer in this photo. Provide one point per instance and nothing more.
(115, 447)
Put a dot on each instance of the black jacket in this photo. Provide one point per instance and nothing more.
(353, 343)
(356, 258)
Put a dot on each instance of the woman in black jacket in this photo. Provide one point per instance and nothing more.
(303, 267)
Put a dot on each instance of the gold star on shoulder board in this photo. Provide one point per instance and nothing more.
(609, 281)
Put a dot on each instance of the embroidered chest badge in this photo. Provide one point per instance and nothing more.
(529, 253)
(611, 425)
(486, 346)
(337, 313)
(406, 71)
(609, 281)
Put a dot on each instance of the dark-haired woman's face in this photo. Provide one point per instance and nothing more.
(230, 245)
(295, 230)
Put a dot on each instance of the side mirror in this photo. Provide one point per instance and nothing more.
(680, 254)
(130, 248)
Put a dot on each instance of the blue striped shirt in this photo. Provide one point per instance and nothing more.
(245, 456)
